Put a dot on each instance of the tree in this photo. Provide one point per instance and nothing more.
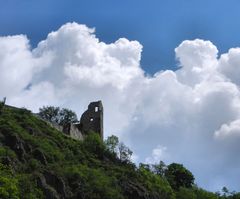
(144, 166)
(57, 115)
(160, 168)
(67, 116)
(124, 152)
(118, 149)
(178, 176)
(112, 144)
(50, 113)
(225, 191)
(2, 104)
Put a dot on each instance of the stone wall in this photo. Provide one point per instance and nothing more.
(73, 131)
(92, 119)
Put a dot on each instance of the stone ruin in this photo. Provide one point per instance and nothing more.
(91, 120)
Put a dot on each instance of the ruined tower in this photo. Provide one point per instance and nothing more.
(92, 119)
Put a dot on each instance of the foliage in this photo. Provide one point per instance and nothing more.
(118, 149)
(94, 144)
(112, 144)
(160, 169)
(2, 104)
(178, 176)
(57, 115)
(124, 152)
(92, 183)
(144, 167)
(28, 187)
(155, 182)
(185, 193)
(6, 152)
(83, 166)
(8, 184)
(201, 193)
(67, 116)
(50, 113)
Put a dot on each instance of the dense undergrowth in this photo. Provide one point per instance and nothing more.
(37, 161)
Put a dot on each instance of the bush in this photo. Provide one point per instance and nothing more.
(185, 193)
(92, 183)
(94, 144)
(34, 165)
(155, 183)
(203, 194)
(8, 184)
(6, 152)
(28, 187)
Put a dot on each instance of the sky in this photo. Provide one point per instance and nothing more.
(166, 71)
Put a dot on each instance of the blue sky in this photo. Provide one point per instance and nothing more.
(188, 114)
(159, 25)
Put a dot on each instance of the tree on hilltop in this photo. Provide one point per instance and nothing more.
(178, 176)
(56, 115)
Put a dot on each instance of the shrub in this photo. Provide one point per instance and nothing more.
(94, 144)
(8, 184)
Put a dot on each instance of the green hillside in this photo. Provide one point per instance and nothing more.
(37, 161)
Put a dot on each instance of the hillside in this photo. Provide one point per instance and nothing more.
(37, 161)
(40, 162)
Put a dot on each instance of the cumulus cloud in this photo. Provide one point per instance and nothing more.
(80, 58)
(17, 64)
(198, 60)
(229, 130)
(158, 154)
(229, 65)
(192, 114)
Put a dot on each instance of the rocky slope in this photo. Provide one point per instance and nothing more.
(37, 161)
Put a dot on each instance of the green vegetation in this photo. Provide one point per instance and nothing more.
(178, 176)
(2, 104)
(118, 149)
(8, 185)
(37, 161)
(57, 115)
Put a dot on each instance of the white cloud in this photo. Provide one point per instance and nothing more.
(158, 154)
(229, 65)
(36, 96)
(80, 58)
(187, 111)
(17, 64)
(198, 60)
(229, 130)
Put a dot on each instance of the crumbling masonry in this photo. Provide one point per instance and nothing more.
(91, 120)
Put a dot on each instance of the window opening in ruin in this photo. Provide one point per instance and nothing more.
(96, 109)
(91, 119)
